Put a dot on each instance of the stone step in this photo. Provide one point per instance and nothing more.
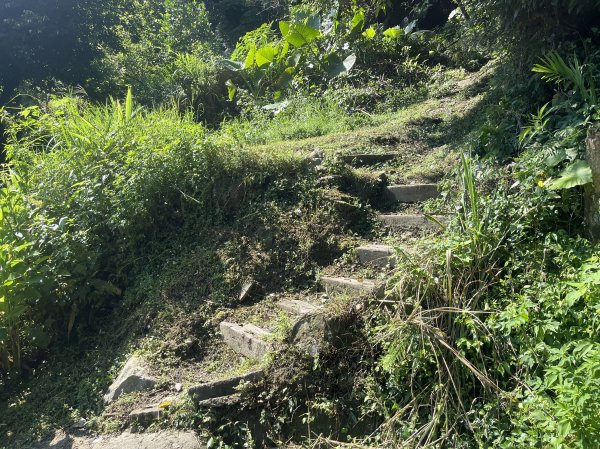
(348, 285)
(248, 340)
(412, 193)
(221, 388)
(147, 415)
(401, 221)
(361, 160)
(298, 307)
(376, 255)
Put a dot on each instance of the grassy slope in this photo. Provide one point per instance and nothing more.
(69, 384)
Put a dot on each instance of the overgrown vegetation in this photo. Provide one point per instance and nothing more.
(152, 170)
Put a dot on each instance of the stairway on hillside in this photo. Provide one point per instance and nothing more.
(310, 323)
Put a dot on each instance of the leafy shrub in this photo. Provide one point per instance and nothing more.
(95, 192)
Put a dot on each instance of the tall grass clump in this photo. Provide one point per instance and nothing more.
(92, 194)
(447, 360)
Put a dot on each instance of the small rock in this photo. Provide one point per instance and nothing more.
(133, 377)
(79, 424)
(178, 387)
(316, 158)
(246, 291)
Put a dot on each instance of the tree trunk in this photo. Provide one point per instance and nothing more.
(592, 191)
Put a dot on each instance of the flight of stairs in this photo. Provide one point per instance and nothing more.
(253, 342)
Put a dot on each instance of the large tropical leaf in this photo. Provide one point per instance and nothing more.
(250, 57)
(336, 66)
(265, 55)
(393, 33)
(231, 89)
(298, 34)
(234, 66)
(577, 174)
(358, 21)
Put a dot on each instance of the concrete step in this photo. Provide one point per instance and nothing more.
(401, 221)
(298, 307)
(221, 388)
(412, 193)
(376, 255)
(361, 160)
(247, 340)
(147, 415)
(364, 287)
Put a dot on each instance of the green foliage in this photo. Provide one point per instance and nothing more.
(313, 48)
(177, 63)
(24, 277)
(554, 69)
(570, 116)
(94, 192)
(577, 174)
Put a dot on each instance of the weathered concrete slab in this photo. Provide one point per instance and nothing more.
(221, 402)
(401, 221)
(361, 160)
(298, 307)
(353, 286)
(412, 193)
(247, 340)
(224, 387)
(376, 255)
(145, 416)
(133, 377)
(127, 440)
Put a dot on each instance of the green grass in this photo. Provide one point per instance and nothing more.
(138, 190)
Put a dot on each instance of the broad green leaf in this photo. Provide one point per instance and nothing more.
(231, 89)
(298, 34)
(284, 51)
(370, 33)
(295, 57)
(250, 57)
(554, 159)
(234, 66)
(336, 66)
(577, 174)
(393, 33)
(265, 55)
(358, 21)
(349, 62)
(285, 78)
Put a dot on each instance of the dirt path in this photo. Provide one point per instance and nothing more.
(159, 440)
